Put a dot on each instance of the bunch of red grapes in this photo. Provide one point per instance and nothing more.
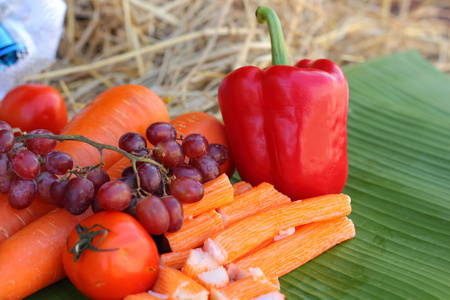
(151, 189)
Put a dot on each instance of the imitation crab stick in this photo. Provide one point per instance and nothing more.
(32, 258)
(12, 220)
(257, 199)
(174, 259)
(246, 234)
(245, 289)
(241, 187)
(309, 241)
(195, 231)
(178, 285)
(147, 296)
(217, 278)
(198, 262)
(218, 192)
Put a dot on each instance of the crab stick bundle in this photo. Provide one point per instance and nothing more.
(218, 192)
(241, 187)
(246, 234)
(309, 241)
(174, 259)
(198, 262)
(217, 278)
(250, 287)
(194, 232)
(255, 200)
(177, 285)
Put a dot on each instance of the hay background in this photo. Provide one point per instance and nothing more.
(181, 49)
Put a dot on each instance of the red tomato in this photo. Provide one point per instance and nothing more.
(34, 106)
(129, 264)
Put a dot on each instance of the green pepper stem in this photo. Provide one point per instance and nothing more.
(279, 53)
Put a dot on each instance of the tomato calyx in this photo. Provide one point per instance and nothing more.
(87, 236)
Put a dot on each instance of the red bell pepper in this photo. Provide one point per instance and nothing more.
(288, 125)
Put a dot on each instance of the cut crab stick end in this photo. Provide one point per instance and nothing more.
(177, 285)
(195, 231)
(271, 296)
(216, 278)
(250, 287)
(241, 237)
(175, 259)
(241, 187)
(259, 198)
(308, 242)
(217, 192)
(198, 262)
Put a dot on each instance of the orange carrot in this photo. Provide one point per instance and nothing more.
(218, 192)
(174, 259)
(194, 232)
(12, 220)
(246, 234)
(31, 259)
(241, 187)
(257, 199)
(178, 285)
(111, 114)
(209, 126)
(308, 242)
(248, 288)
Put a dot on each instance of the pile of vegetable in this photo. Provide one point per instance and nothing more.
(130, 205)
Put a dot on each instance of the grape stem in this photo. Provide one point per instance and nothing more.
(99, 146)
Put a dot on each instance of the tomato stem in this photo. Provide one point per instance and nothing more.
(87, 236)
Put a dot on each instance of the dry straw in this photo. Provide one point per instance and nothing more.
(182, 49)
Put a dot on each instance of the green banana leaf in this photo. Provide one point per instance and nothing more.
(399, 182)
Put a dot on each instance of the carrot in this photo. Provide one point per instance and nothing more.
(257, 199)
(308, 242)
(174, 259)
(12, 220)
(241, 187)
(195, 231)
(178, 285)
(111, 114)
(248, 288)
(209, 126)
(246, 234)
(218, 192)
(32, 258)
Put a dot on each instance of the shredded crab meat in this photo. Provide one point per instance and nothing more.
(284, 234)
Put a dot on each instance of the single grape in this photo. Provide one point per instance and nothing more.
(149, 177)
(159, 131)
(58, 162)
(176, 213)
(208, 166)
(6, 141)
(141, 152)
(130, 181)
(17, 147)
(153, 215)
(187, 171)
(98, 177)
(40, 146)
(6, 179)
(21, 193)
(195, 145)
(44, 182)
(186, 189)
(128, 171)
(131, 208)
(96, 207)
(4, 163)
(78, 195)
(169, 153)
(219, 152)
(114, 195)
(5, 126)
(132, 141)
(26, 164)
(57, 190)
